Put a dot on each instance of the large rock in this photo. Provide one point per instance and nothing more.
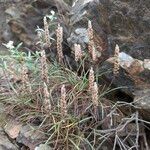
(12, 128)
(142, 100)
(117, 21)
(5, 143)
(79, 36)
(30, 136)
(43, 147)
(133, 81)
(114, 21)
(22, 18)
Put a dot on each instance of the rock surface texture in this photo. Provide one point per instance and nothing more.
(133, 80)
(5, 143)
(114, 21)
(117, 21)
(122, 22)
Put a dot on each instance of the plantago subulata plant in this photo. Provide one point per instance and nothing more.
(59, 35)
(90, 36)
(25, 78)
(44, 67)
(43, 60)
(95, 96)
(91, 44)
(78, 52)
(63, 104)
(46, 32)
(91, 79)
(116, 61)
(46, 95)
(94, 55)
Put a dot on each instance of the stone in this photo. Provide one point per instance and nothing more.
(12, 128)
(2, 108)
(142, 101)
(79, 36)
(125, 60)
(5, 143)
(20, 31)
(133, 81)
(116, 22)
(30, 136)
(2, 112)
(136, 67)
(43, 147)
(13, 12)
(147, 64)
(132, 74)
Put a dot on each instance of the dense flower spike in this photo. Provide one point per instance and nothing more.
(90, 35)
(95, 94)
(46, 31)
(63, 104)
(59, 34)
(46, 94)
(94, 56)
(44, 67)
(116, 61)
(25, 78)
(91, 45)
(78, 52)
(91, 79)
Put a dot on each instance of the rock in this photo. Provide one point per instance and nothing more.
(123, 22)
(12, 128)
(147, 64)
(7, 35)
(136, 67)
(116, 22)
(142, 101)
(5, 143)
(79, 36)
(133, 81)
(125, 60)
(69, 2)
(2, 108)
(131, 65)
(2, 111)
(131, 74)
(22, 19)
(13, 12)
(30, 137)
(78, 10)
(20, 32)
(43, 147)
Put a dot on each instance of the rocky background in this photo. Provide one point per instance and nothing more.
(122, 22)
